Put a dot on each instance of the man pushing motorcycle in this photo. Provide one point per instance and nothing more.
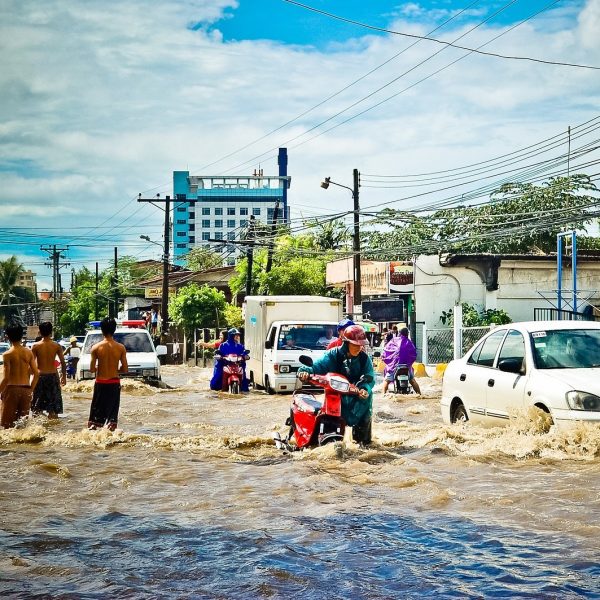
(352, 361)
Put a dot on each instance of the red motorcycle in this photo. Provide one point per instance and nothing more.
(314, 422)
(233, 373)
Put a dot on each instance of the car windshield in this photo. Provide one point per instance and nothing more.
(134, 341)
(566, 348)
(4, 348)
(310, 336)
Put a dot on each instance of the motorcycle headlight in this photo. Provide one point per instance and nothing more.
(339, 386)
(583, 401)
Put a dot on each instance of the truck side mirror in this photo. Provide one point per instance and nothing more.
(268, 345)
(307, 361)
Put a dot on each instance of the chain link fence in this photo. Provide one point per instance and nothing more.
(440, 342)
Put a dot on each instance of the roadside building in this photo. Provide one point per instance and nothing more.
(219, 207)
(27, 280)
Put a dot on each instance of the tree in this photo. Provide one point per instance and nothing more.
(197, 307)
(519, 218)
(471, 317)
(10, 292)
(233, 316)
(200, 259)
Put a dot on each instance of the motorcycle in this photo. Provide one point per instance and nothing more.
(233, 373)
(402, 380)
(313, 422)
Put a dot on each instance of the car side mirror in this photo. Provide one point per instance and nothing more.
(161, 350)
(511, 365)
(268, 344)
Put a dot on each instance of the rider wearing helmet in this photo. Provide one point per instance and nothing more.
(350, 360)
(231, 346)
(340, 327)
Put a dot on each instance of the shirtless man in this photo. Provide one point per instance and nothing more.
(20, 376)
(46, 394)
(105, 359)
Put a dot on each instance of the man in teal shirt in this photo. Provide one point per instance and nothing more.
(352, 361)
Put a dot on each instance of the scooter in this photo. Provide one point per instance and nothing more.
(233, 373)
(71, 366)
(402, 380)
(313, 422)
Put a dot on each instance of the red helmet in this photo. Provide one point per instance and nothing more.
(355, 334)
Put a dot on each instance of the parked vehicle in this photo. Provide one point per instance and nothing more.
(402, 380)
(312, 421)
(4, 346)
(551, 365)
(142, 356)
(278, 329)
(232, 373)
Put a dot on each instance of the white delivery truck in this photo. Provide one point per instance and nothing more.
(278, 329)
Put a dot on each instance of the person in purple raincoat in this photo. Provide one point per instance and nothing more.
(399, 351)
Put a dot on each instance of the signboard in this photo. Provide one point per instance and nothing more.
(373, 278)
(401, 277)
(157, 292)
(390, 310)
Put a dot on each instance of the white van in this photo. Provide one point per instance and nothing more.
(142, 356)
(279, 329)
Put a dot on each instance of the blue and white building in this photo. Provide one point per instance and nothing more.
(218, 207)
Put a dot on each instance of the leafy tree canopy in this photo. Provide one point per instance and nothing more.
(200, 259)
(197, 306)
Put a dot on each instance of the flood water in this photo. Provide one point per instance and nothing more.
(191, 499)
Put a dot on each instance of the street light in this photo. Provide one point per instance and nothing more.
(145, 237)
(357, 300)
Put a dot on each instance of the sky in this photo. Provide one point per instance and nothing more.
(102, 100)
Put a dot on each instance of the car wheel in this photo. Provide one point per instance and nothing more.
(459, 414)
(544, 420)
(268, 387)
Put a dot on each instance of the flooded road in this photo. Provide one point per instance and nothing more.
(191, 499)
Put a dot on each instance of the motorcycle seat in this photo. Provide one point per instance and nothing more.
(307, 403)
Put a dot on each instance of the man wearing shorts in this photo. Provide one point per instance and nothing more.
(20, 376)
(47, 396)
(108, 360)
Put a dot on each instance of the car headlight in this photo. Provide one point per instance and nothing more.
(149, 372)
(583, 401)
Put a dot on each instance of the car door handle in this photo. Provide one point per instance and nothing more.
(490, 383)
(462, 377)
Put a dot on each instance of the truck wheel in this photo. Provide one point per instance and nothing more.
(268, 387)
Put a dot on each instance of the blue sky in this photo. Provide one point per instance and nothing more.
(102, 100)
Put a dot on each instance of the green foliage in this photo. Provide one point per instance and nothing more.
(10, 292)
(130, 273)
(472, 317)
(196, 307)
(200, 259)
(233, 316)
(518, 219)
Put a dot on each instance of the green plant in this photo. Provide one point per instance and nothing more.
(472, 317)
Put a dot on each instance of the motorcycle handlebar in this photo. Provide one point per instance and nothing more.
(322, 382)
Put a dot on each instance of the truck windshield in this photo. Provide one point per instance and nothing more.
(134, 341)
(306, 336)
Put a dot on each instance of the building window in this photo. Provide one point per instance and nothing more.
(205, 223)
(230, 248)
(218, 223)
(270, 214)
(181, 234)
(256, 212)
(181, 221)
(219, 211)
(192, 214)
(231, 262)
(231, 223)
(244, 211)
(231, 210)
(231, 235)
(182, 245)
(205, 211)
(192, 227)
(181, 208)
(243, 222)
(192, 239)
(219, 235)
(205, 236)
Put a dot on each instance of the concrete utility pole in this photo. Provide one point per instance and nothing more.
(114, 313)
(272, 240)
(164, 308)
(356, 241)
(250, 256)
(55, 255)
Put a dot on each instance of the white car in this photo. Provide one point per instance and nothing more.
(4, 346)
(553, 365)
(142, 356)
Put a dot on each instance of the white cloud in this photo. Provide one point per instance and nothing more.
(102, 100)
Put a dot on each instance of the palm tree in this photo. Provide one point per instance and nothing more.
(10, 269)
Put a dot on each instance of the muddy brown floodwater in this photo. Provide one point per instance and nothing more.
(189, 498)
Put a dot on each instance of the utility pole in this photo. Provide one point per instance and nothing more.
(356, 241)
(96, 297)
(55, 254)
(115, 285)
(272, 240)
(250, 256)
(164, 309)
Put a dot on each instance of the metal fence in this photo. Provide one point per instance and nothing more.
(554, 314)
(438, 344)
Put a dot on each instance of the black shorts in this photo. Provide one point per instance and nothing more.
(105, 405)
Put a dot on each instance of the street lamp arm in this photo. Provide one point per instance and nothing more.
(327, 181)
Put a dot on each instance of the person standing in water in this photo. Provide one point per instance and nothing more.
(108, 360)
(20, 376)
(46, 394)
